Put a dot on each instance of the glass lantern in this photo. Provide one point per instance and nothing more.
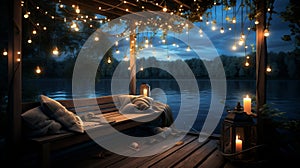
(238, 133)
(145, 89)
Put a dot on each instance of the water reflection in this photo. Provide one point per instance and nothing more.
(283, 94)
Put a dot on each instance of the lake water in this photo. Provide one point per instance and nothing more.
(282, 94)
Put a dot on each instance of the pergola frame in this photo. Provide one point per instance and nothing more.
(15, 63)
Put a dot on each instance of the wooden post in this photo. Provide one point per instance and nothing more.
(14, 80)
(261, 57)
(132, 84)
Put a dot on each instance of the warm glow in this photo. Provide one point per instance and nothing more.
(256, 22)
(233, 20)
(109, 60)
(117, 51)
(96, 38)
(165, 9)
(241, 41)
(5, 52)
(77, 10)
(38, 70)
(247, 64)
(26, 15)
(34, 32)
(269, 69)
(247, 105)
(55, 51)
(266, 33)
(238, 144)
(188, 48)
(222, 30)
(233, 47)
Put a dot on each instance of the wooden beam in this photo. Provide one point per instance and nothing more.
(261, 57)
(132, 85)
(14, 80)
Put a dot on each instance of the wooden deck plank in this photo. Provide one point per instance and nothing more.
(139, 161)
(215, 160)
(177, 156)
(199, 155)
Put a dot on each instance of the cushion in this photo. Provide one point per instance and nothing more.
(58, 112)
(39, 124)
(129, 108)
(142, 102)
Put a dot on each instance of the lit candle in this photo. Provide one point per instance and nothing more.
(145, 92)
(247, 105)
(238, 144)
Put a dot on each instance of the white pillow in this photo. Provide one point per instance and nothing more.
(58, 112)
(142, 102)
(38, 123)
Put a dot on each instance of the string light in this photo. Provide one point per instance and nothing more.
(55, 51)
(38, 70)
(268, 68)
(266, 32)
(108, 60)
(5, 52)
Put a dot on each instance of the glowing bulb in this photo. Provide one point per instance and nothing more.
(142, 68)
(222, 30)
(256, 22)
(213, 28)
(29, 41)
(77, 10)
(241, 41)
(266, 33)
(247, 64)
(165, 9)
(5, 52)
(163, 41)
(33, 31)
(233, 47)
(233, 20)
(188, 48)
(55, 51)
(117, 51)
(26, 15)
(38, 70)
(109, 60)
(268, 69)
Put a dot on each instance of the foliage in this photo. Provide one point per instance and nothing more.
(291, 14)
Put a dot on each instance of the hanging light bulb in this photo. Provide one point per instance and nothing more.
(266, 32)
(233, 47)
(29, 41)
(233, 20)
(5, 52)
(26, 15)
(38, 70)
(247, 63)
(142, 68)
(188, 48)
(108, 60)
(77, 10)
(269, 69)
(55, 51)
(241, 41)
(34, 32)
(165, 9)
(222, 30)
(117, 51)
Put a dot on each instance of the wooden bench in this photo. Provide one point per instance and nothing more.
(45, 145)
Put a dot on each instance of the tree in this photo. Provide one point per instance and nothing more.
(291, 15)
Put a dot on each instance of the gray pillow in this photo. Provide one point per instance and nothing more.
(58, 112)
(38, 123)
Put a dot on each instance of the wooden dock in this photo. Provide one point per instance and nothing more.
(190, 154)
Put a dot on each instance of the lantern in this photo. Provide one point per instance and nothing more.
(238, 133)
(145, 89)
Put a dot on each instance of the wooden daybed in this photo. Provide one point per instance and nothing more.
(47, 144)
